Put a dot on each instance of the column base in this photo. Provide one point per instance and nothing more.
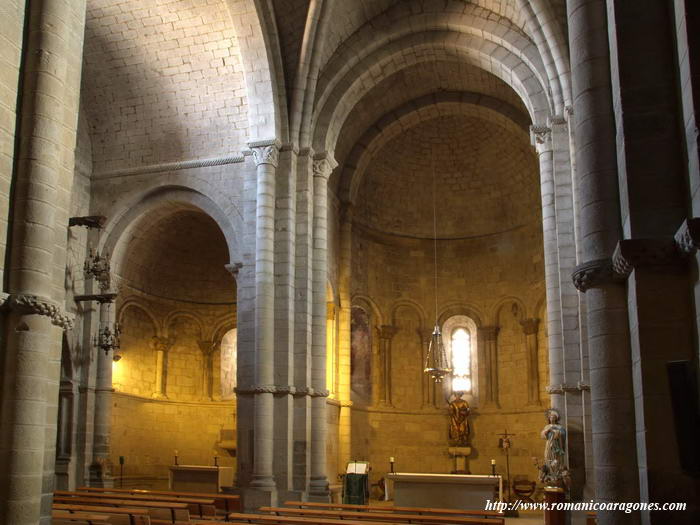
(319, 491)
(256, 497)
(101, 474)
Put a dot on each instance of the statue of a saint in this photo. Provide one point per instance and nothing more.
(459, 421)
(554, 471)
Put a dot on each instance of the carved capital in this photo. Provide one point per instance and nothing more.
(530, 326)
(323, 167)
(583, 387)
(208, 347)
(234, 269)
(265, 152)
(37, 305)
(162, 344)
(540, 137)
(554, 389)
(490, 333)
(595, 273)
(387, 332)
(634, 253)
(688, 236)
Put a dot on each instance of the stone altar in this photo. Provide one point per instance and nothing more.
(450, 491)
(199, 478)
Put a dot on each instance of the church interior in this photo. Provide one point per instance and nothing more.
(249, 247)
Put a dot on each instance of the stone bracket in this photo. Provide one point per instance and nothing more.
(35, 304)
(688, 236)
(634, 253)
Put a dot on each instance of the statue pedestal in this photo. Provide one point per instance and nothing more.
(461, 463)
(554, 495)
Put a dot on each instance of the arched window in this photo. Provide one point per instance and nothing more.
(461, 360)
(459, 336)
(228, 364)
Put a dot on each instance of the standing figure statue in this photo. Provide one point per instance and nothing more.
(553, 471)
(459, 421)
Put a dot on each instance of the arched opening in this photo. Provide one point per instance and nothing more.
(177, 310)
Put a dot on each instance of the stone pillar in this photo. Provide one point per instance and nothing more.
(161, 346)
(489, 336)
(208, 348)
(344, 342)
(383, 376)
(530, 327)
(101, 467)
(653, 205)
(262, 487)
(303, 306)
(30, 371)
(612, 405)
(318, 487)
(541, 137)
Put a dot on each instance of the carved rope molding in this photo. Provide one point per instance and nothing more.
(564, 388)
(281, 391)
(37, 305)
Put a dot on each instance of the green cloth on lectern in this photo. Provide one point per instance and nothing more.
(355, 489)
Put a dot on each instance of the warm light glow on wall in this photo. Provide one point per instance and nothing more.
(118, 369)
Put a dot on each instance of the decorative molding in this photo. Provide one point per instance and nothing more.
(583, 387)
(281, 390)
(265, 151)
(594, 273)
(557, 120)
(688, 236)
(563, 388)
(37, 305)
(633, 253)
(530, 326)
(170, 166)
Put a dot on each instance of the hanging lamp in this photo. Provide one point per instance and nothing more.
(437, 365)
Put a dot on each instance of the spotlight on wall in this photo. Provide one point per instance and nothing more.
(116, 357)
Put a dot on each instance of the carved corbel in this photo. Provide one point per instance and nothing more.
(634, 253)
(688, 236)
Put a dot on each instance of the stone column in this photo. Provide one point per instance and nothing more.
(386, 334)
(542, 140)
(489, 336)
(653, 204)
(161, 346)
(612, 405)
(30, 372)
(264, 490)
(101, 467)
(318, 487)
(530, 327)
(208, 348)
(344, 342)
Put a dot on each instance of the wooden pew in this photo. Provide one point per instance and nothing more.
(118, 515)
(225, 502)
(402, 510)
(197, 506)
(83, 518)
(157, 510)
(393, 517)
(236, 517)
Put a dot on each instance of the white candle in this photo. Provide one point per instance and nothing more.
(391, 459)
(493, 461)
(176, 452)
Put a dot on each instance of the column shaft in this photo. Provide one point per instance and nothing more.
(318, 487)
(266, 158)
(47, 124)
(101, 471)
(612, 404)
(344, 342)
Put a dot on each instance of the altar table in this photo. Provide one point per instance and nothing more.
(199, 478)
(449, 491)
